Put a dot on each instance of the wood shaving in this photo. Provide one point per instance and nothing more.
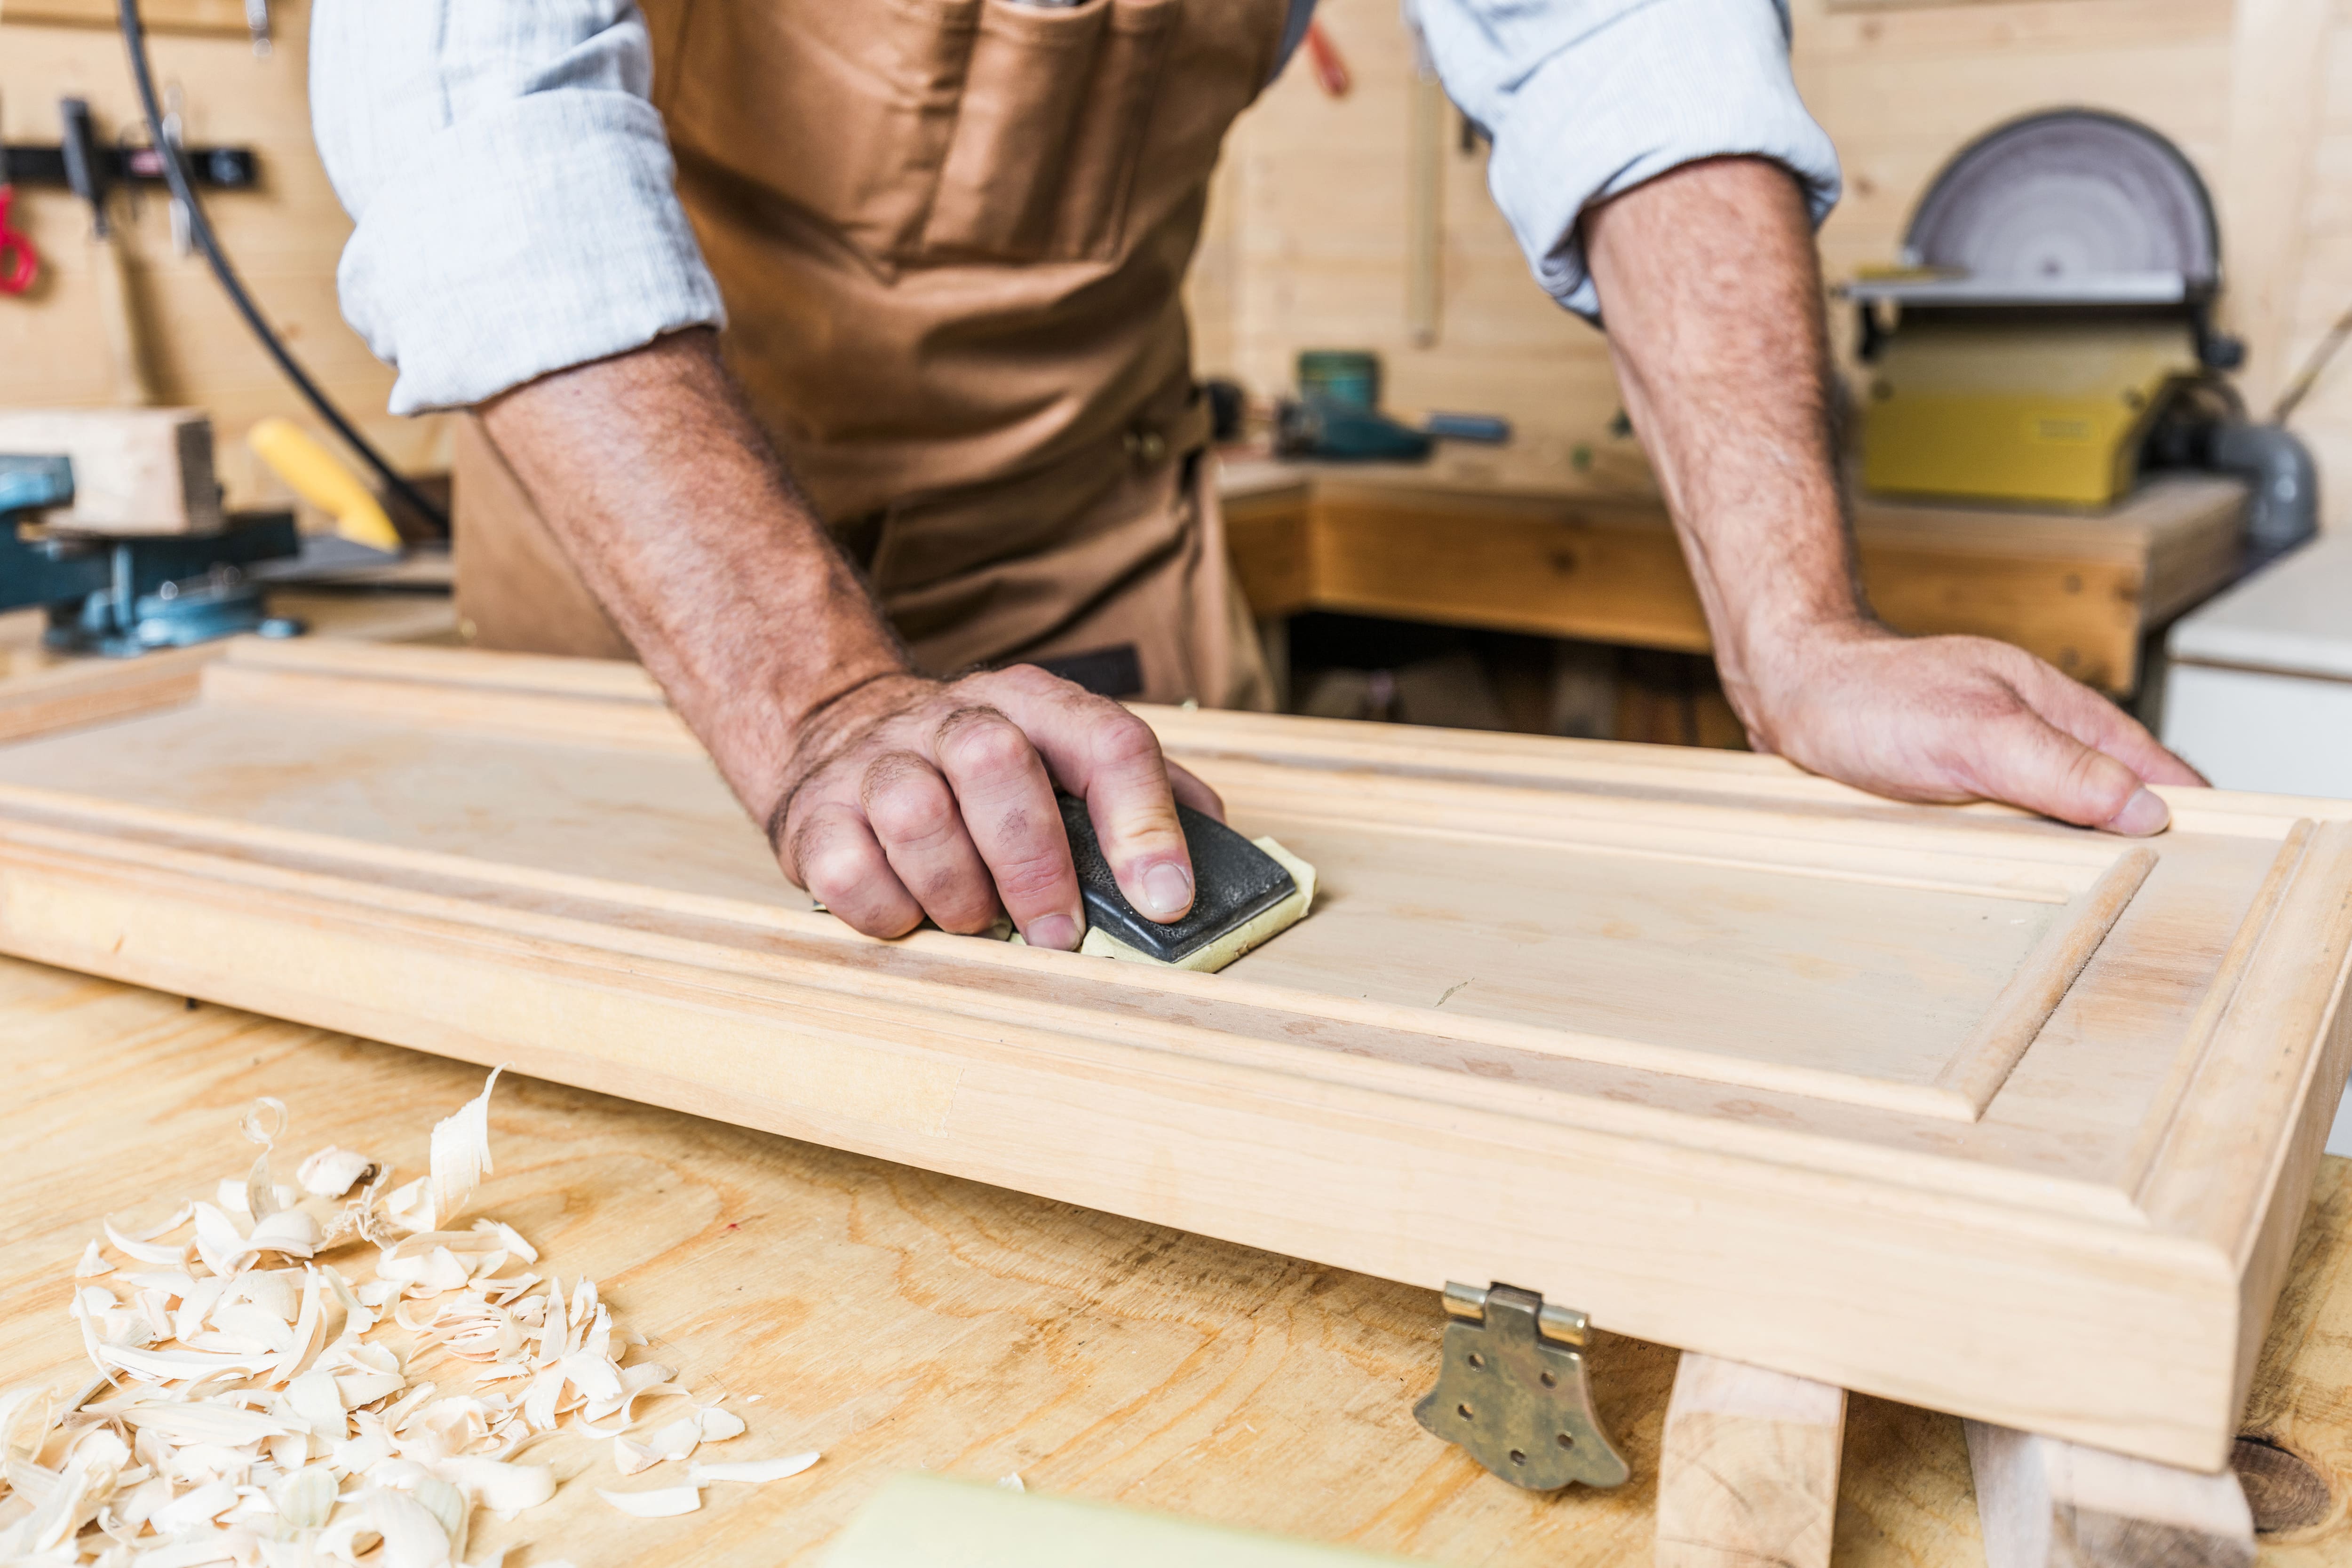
(755, 1470)
(255, 1404)
(460, 1158)
(332, 1172)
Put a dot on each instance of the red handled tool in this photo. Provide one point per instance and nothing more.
(1330, 66)
(19, 262)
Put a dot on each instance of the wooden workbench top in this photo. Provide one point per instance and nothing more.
(898, 1320)
(1478, 542)
(2167, 510)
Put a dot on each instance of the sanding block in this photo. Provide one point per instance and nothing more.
(1244, 892)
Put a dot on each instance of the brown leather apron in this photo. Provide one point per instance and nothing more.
(951, 235)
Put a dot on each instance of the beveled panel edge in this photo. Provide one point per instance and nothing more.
(1929, 850)
(2197, 1043)
(2214, 1173)
(939, 994)
(1976, 1072)
(1934, 1098)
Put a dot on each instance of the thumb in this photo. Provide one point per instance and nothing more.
(2033, 764)
(1103, 754)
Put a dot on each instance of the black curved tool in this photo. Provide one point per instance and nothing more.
(1234, 882)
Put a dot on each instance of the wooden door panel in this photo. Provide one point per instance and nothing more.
(1954, 1106)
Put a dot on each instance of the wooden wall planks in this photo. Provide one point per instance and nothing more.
(284, 238)
(1309, 230)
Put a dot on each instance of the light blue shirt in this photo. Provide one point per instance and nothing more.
(513, 190)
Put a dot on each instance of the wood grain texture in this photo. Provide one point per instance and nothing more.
(43, 692)
(1748, 1469)
(1702, 1003)
(2078, 591)
(2049, 1505)
(893, 1318)
(902, 1320)
(2294, 1451)
(2278, 57)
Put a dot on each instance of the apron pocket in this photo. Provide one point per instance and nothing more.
(843, 111)
(1109, 139)
(1032, 71)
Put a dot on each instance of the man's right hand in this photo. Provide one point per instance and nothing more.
(888, 796)
(906, 798)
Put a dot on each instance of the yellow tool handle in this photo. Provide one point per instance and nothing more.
(314, 474)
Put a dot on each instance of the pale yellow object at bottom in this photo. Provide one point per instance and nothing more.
(919, 1521)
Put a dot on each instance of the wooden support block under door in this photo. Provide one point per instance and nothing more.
(1748, 1475)
(2044, 1503)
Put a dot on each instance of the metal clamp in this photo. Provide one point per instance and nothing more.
(1512, 1390)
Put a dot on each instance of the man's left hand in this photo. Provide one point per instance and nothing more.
(1956, 718)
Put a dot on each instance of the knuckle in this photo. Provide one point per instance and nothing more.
(913, 813)
(905, 799)
(1121, 742)
(982, 739)
(830, 862)
(1031, 679)
(831, 875)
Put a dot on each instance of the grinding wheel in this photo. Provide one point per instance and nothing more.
(2073, 193)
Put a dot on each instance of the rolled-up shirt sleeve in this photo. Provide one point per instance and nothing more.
(1586, 99)
(511, 187)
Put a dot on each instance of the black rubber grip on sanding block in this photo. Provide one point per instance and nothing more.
(1234, 883)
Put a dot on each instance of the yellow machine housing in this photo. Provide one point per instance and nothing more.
(2033, 408)
(2047, 325)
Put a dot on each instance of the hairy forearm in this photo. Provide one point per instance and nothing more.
(670, 501)
(1711, 296)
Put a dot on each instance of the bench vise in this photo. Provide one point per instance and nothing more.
(120, 596)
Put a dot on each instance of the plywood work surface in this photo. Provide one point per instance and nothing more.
(897, 1319)
(1982, 1113)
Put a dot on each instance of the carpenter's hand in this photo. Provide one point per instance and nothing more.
(1956, 718)
(912, 797)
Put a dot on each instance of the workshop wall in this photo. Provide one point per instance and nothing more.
(1309, 245)
(284, 238)
(1310, 238)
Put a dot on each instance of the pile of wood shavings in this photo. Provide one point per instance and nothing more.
(248, 1409)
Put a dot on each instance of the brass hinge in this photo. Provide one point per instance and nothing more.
(1512, 1390)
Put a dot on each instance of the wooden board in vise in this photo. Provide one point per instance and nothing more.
(1956, 1107)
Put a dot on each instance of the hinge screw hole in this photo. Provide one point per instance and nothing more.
(1477, 1360)
(1566, 1441)
(1518, 1458)
(1462, 1411)
(1550, 1381)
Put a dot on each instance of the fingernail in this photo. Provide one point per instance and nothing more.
(1058, 932)
(1167, 889)
(2142, 814)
